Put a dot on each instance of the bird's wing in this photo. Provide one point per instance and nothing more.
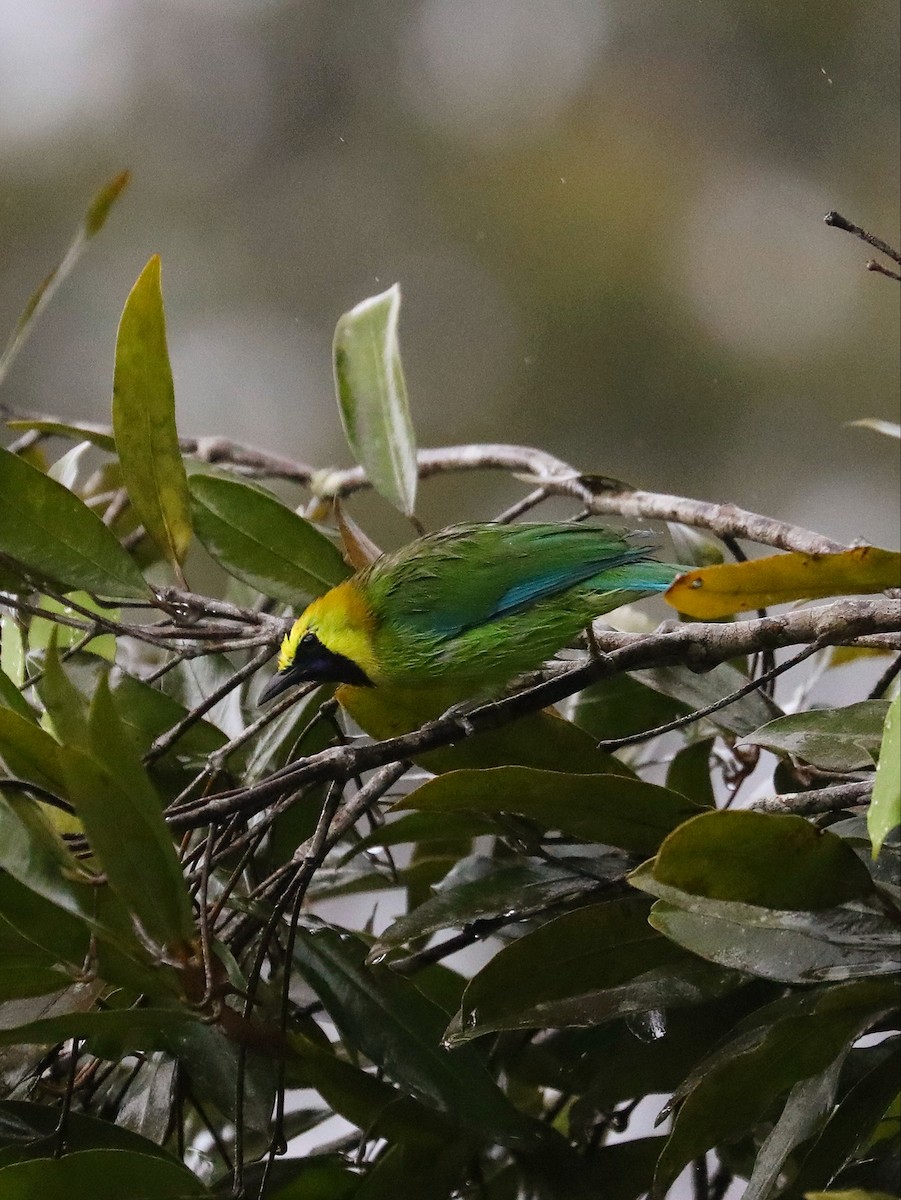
(467, 577)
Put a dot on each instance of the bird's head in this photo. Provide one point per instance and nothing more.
(330, 642)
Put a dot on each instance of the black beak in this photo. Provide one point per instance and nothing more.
(314, 663)
(280, 683)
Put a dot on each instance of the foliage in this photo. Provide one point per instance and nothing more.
(179, 1002)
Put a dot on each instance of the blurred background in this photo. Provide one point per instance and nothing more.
(605, 215)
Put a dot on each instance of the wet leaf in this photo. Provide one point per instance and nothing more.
(582, 968)
(144, 420)
(372, 397)
(505, 890)
(833, 739)
(719, 591)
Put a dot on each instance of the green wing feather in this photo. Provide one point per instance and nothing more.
(488, 601)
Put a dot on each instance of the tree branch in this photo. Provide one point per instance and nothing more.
(697, 645)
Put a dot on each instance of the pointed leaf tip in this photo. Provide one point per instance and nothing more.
(144, 420)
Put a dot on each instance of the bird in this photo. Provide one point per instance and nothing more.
(455, 615)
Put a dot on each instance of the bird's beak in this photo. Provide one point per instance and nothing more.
(316, 664)
(280, 683)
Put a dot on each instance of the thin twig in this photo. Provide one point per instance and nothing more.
(839, 222)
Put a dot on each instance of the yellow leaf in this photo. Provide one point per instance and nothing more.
(718, 591)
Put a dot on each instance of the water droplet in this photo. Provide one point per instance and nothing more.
(648, 1026)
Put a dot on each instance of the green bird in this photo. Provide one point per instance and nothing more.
(455, 615)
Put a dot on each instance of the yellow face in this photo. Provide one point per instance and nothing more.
(343, 623)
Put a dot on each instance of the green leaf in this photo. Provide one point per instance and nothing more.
(144, 420)
(791, 947)
(12, 660)
(122, 815)
(41, 628)
(833, 739)
(767, 859)
(884, 813)
(259, 540)
(12, 700)
(32, 1128)
(689, 773)
(99, 1175)
(612, 809)
(584, 967)
(147, 713)
(734, 1089)
(110, 1033)
(621, 706)
(372, 397)
(29, 752)
(698, 691)
(808, 1104)
(390, 1021)
(54, 536)
(506, 890)
(94, 220)
(65, 707)
(849, 1128)
(367, 1101)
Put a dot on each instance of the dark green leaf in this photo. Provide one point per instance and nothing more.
(793, 947)
(808, 1104)
(368, 1102)
(147, 712)
(397, 1028)
(144, 420)
(582, 968)
(262, 542)
(689, 773)
(621, 706)
(611, 809)
(848, 1131)
(767, 859)
(372, 397)
(27, 1131)
(111, 1033)
(697, 691)
(833, 739)
(99, 1175)
(736, 1087)
(123, 818)
(54, 536)
(507, 890)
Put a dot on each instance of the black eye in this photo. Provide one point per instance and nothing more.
(308, 639)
